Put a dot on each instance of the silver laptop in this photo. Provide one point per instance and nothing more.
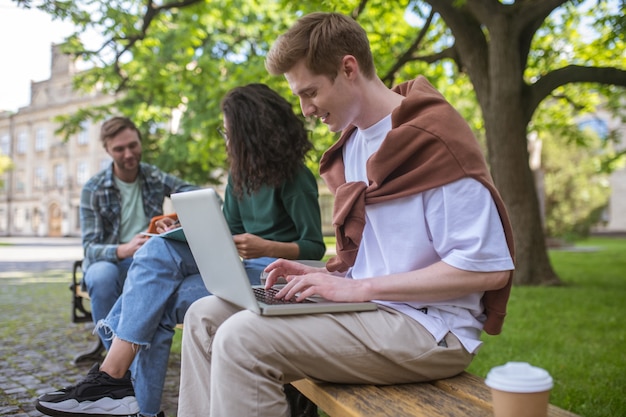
(223, 273)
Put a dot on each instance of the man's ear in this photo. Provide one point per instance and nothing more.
(349, 66)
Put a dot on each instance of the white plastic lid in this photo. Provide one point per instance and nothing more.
(519, 377)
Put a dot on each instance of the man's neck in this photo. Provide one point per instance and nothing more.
(126, 176)
(378, 102)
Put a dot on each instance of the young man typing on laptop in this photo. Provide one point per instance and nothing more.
(421, 230)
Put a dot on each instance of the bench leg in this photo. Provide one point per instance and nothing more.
(80, 314)
(299, 405)
(94, 354)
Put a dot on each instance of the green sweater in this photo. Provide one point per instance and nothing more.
(289, 213)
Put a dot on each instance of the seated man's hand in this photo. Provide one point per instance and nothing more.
(165, 224)
(323, 284)
(128, 249)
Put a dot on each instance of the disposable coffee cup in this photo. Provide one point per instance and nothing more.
(519, 389)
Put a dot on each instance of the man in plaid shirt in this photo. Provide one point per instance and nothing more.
(116, 205)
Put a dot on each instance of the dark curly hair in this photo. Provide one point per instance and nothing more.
(267, 142)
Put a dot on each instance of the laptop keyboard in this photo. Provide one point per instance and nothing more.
(267, 296)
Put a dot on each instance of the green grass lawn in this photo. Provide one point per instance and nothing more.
(574, 331)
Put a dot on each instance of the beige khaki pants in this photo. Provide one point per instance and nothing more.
(235, 362)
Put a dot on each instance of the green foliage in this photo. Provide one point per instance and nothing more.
(576, 191)
(180, 61)
(575, 163)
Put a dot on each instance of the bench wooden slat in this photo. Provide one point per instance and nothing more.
(467, 386)
(336, 402)
(461, 396)
(427, 400)
(410, 400)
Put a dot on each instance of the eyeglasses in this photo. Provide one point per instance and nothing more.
(223, 133)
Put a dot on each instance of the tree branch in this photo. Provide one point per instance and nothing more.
(575, 105)
(151, 13)
(356, 12)
(571, 74)
(532, 10)
(529, 15)
(448, 53)
(408, 54)
(470, 40)
(175, 4)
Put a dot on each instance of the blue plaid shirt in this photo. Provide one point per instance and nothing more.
(101, 208)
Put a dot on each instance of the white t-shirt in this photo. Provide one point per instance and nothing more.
(457, 223)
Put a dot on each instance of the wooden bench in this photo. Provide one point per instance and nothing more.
(464, 395)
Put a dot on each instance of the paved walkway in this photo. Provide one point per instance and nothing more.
(38, 342)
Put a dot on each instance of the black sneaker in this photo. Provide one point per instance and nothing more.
(98, 395)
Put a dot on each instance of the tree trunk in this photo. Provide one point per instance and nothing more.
(506, 129)
(514, 179)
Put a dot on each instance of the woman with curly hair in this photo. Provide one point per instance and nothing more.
(269, 189)
(271, 206)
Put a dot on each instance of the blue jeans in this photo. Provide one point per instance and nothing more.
(162, 282)
(104, 282)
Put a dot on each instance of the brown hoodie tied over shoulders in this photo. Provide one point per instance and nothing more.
(430, 145)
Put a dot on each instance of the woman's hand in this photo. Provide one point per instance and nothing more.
(251, 246)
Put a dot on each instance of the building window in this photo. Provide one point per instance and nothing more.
(5, 144)
(40, 140)
(19, 218)
(40, 178)
(59, 176)
(82, 173)
(83, 135)
(22, 143)
(37, 218)
(19, 182)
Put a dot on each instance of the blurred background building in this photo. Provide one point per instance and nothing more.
(40, 195)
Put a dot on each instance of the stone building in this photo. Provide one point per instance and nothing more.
(40, 195)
